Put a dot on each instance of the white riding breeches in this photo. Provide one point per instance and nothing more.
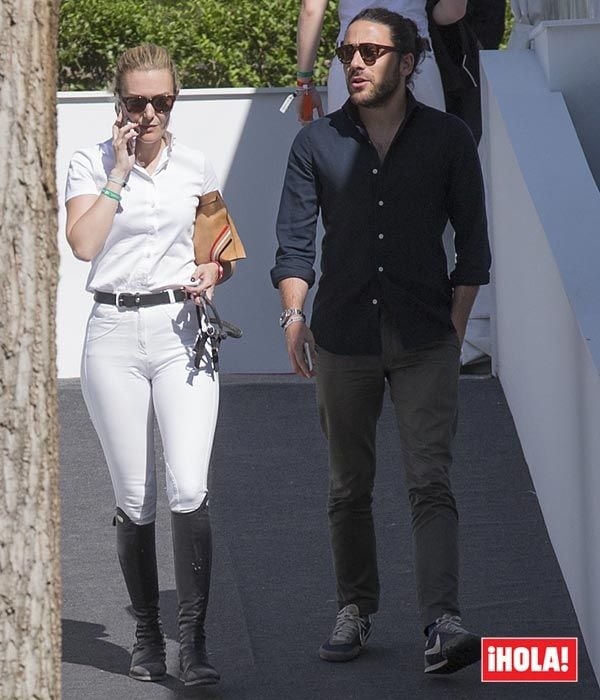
(138, 363)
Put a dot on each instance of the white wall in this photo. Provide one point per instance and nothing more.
(561, 48)
(248, 140)
(544, 209)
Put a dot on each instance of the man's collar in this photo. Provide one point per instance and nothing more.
(351, 110)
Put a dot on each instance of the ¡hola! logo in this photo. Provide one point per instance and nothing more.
(529, 659)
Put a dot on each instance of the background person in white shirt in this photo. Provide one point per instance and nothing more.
(427, 84)
(131, 204)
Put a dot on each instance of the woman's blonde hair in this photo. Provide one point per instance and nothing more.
(144, 57)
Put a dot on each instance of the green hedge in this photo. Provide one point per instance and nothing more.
(509, 20)
(215, 43)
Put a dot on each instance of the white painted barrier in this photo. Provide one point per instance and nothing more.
(248, 140)
(541, 110)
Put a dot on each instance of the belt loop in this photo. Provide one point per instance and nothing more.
(171, 295)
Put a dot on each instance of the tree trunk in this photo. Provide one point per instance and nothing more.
(29, 500)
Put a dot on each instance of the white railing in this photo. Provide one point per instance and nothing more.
(541, 110)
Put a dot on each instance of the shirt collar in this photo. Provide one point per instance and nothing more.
(165, 156)
(351, 111)
(167, 152)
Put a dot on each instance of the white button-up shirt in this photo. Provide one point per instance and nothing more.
(149, 246)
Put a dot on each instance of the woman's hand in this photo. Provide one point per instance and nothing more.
(123, 142)
(204, 279)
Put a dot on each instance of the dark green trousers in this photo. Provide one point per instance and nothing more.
(424, 390)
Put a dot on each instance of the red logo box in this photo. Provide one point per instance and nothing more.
(529, 660)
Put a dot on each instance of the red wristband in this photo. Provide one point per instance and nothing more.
(220, 268)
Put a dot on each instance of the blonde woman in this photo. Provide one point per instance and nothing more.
(131, 204)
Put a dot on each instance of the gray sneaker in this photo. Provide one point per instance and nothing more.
(349, 635)
(450, 647)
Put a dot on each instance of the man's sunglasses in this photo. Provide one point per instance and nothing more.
(368, 52)
(137, 104)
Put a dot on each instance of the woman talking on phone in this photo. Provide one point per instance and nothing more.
(131, 204)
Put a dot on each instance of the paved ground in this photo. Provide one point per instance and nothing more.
(272, 600)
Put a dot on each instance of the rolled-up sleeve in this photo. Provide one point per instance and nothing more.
(466, 210)
(298, 214)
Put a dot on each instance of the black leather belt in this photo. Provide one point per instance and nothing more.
(170, 296)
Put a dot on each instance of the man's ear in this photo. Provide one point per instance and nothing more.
(407, 64)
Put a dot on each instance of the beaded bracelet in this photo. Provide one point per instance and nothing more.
(293, 319)
(117, 180)
(110, 194)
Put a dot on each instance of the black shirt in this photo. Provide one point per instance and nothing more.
(383, 226)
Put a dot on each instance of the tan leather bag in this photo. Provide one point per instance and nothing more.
(215, 235)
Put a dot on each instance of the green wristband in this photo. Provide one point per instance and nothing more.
(110, 194)
(305, 73)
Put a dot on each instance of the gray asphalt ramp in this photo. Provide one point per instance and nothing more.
(273, 596)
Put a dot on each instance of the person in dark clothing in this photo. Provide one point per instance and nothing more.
(386, 173)
(456, 47)
(487, 18)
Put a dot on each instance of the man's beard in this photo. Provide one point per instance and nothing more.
(380, 95)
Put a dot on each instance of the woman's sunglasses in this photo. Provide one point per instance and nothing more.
(368, 52)
(137, 104)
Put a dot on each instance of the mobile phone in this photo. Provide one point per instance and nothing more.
(131, 145)
(120, 112)
(308, 356)
(120, 109)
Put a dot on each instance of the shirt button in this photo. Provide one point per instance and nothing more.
(380, 269)
(380, 235)
(380, 202)
(375, 171)
(375, 301)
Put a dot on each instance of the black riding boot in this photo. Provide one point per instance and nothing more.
(137, 555)
(192, 549)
